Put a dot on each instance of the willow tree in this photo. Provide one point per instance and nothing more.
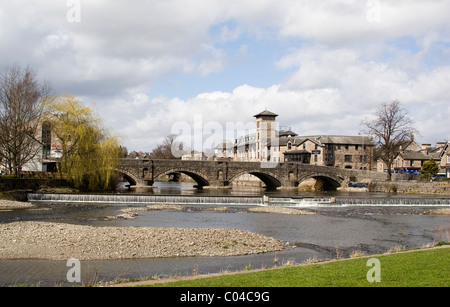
(89, 152)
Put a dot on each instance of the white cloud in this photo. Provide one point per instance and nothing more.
(348, 21)
(339, 65)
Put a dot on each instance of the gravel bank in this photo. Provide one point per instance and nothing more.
(51, 241)
(9, 205)
(130, 213)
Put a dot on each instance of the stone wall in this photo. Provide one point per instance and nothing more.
(411, 187)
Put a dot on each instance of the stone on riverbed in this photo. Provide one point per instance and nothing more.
(51, 241)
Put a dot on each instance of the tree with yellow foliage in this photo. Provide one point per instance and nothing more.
(90, 153)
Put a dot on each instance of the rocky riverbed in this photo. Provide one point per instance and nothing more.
(58, 241)
(130, 213)
(55, 241)
(52, 241)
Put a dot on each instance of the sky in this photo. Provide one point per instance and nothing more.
(151, 67)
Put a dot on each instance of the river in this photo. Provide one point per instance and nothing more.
(337, 230)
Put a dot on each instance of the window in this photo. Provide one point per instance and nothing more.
(289, 146)
(347, 147)
(46, 139)
(348, 158)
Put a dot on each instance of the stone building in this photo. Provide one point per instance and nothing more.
(444, 158)
(49, 151)
(194, 155)
(225, 150)
(254, 147)
(351, 152)
(271, 144)
(413, 156)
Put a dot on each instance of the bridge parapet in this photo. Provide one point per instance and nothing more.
(219, 174)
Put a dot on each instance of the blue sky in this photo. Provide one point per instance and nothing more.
(248, 61)
(323, 66)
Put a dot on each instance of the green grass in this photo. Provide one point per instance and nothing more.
(430, 268)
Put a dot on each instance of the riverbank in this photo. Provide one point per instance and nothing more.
(397, 272)
(12, 204)
(52, 241)
(411, 187)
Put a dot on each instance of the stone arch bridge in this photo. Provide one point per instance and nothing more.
(220, 174)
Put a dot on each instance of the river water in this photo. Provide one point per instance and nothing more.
(337, 230)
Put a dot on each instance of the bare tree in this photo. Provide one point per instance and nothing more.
(21, 107)
(391, 131)
(167, 148)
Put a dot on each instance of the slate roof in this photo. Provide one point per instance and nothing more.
(266, 113)
(414, 155)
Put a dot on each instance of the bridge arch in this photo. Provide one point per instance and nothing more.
(328, 181)
(270, 180)
(200, 179)
(131, 178)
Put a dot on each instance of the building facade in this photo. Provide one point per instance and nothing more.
(351, 152)
(49, 151)
(444, 157)
(271, 144)
(413, 156)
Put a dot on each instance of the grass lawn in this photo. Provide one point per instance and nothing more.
(429, 268)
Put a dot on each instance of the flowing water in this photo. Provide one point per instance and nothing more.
(345, 222)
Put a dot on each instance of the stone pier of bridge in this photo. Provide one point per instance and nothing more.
(220, 174)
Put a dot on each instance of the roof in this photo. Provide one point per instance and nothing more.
(435, 152)
(246, 140)
(322, 140)
(287, 133)
(343, 139)
(444, 150)
(266, 113)
(225, 145)
(414, 155)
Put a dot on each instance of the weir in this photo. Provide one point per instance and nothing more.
(237, 200)
(407, 201)
(144, 199)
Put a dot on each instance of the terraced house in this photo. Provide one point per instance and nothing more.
(413, 156)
